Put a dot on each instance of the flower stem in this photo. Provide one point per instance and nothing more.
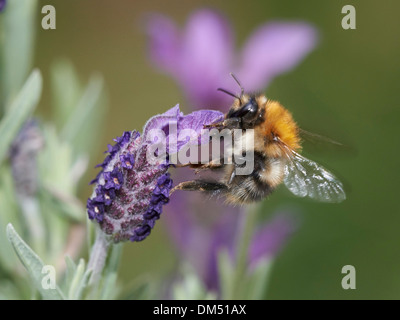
(98, 256)
(247, 224)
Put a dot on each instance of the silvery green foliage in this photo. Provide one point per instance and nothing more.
(39, 219)
(59, 167)
(33, 264)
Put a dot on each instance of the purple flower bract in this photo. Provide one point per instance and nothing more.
(201, 56)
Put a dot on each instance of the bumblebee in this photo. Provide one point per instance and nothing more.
(277, 157)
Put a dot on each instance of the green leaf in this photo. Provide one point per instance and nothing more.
(69, 273)
(57, 234)
(55, 162)
(76, 280)
(66, 90)
(83, 122)
(65, 204)
(9, 212)
(257, 282)
(141, 289)
(79, 282)
(109, 290)
(191, 287)
(55, 170)
(226, 274)
(108, 285)
(33, 264)
(83, 284)
(18, 27)
(20, 110)
(78, 111)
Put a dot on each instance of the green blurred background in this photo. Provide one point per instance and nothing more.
(346, 89)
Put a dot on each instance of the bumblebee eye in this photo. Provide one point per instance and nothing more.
(248, 110)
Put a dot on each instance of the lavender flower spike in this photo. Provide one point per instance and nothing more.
(130, 190)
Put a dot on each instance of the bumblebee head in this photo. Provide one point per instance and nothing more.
(246, 106)
(246, 109)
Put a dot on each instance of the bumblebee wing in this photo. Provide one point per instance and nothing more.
(306, 178)
(314, 138)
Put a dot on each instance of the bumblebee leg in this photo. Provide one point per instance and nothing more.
(230, 123)
(200, 185)
(217, 163)
(191, 165)
(212, 165)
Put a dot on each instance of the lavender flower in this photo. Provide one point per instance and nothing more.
(2, 4)
(23, 156)
(201, 57)
(130, 190)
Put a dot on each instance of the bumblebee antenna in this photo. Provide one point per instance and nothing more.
(231, 94)
(237, 81)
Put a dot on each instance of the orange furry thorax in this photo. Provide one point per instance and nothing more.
(279, 123)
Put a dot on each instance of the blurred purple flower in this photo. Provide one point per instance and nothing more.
(201, 57)
(270, 238)
(2, 4)
(201, 230)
